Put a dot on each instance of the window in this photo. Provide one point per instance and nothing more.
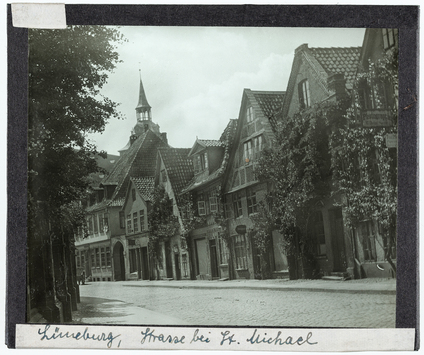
(237, 206)
(122, 219)
(213, 204)
(105, 223)
(96, 226)
(108, 260)
(135, 221)
(317, 234)
(133, 194)
(200, 162)
(129, 226)
(101, 223)
(227, 207)
(97, 257)
(93, 261)
(201, 208)
(103, 257)
(90, 224)
(78, 259)
(141, 220)
(247, 148)
(185, 265)
(250, 114)
(240, 251)
(252, 205)
(82, 259)
(389, 37)
(366, 229)
(304, 96)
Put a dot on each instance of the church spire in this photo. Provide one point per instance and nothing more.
(143, 109)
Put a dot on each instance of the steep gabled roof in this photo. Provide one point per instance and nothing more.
(178, 166)
(204, 143)
(107, 164)
(226, 139)
(138, 161)
(270, 102)
(323, 62)
(338, 61)
(145, 187)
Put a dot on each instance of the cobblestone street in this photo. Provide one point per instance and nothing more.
(122, 302)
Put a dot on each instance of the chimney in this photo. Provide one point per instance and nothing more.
(164, 138)
(337, 84)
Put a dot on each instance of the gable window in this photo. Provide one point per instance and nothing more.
(252, 205)
(141, 220)
(133, 194)
(121, 219)
(250, 114)
(389, 37)
(213, 204)
(201, 208)
(129, 223)
(90, 224)
(135, 221)
(200, 162)
(237, 206)
(304, 96)
(247, 148)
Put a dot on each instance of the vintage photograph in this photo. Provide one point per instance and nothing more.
(213, 176)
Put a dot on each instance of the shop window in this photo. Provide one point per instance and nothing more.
(252, 205)
(141, 220)
(304, 95)
(366, 230)
(241, 252)
(223, 251)
(389, 37)
(317, 234)
(103, 257)
(108, 259)
(201, 208)
(135, 221)
(122, 219)
(237, 206)
(97, 250)
(93, 260)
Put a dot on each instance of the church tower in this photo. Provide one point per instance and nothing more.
(143, 112)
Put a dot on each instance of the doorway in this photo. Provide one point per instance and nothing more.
(214, 258)
(337, 239)
(119, 262)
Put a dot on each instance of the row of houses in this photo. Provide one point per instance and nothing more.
(213, 192)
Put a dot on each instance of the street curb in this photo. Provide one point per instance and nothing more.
(268, 288)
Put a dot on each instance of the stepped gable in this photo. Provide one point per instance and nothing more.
(138, 161)
(338, 60)
(178, 167)
(145, 187)
(226, 139)
(271, 103)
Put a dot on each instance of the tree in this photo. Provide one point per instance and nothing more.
(67, 69)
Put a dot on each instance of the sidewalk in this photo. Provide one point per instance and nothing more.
(364, 286)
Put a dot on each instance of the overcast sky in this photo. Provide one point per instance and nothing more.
(194, 76)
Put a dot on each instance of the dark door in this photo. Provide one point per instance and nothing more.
(337, 239)
(214, 259)
(177, 266)
(144, 264)
(168, 260)
(119, 262)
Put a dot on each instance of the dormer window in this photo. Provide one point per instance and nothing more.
(200, 162)
(250, 116)
(304, 96)
(389, 37)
